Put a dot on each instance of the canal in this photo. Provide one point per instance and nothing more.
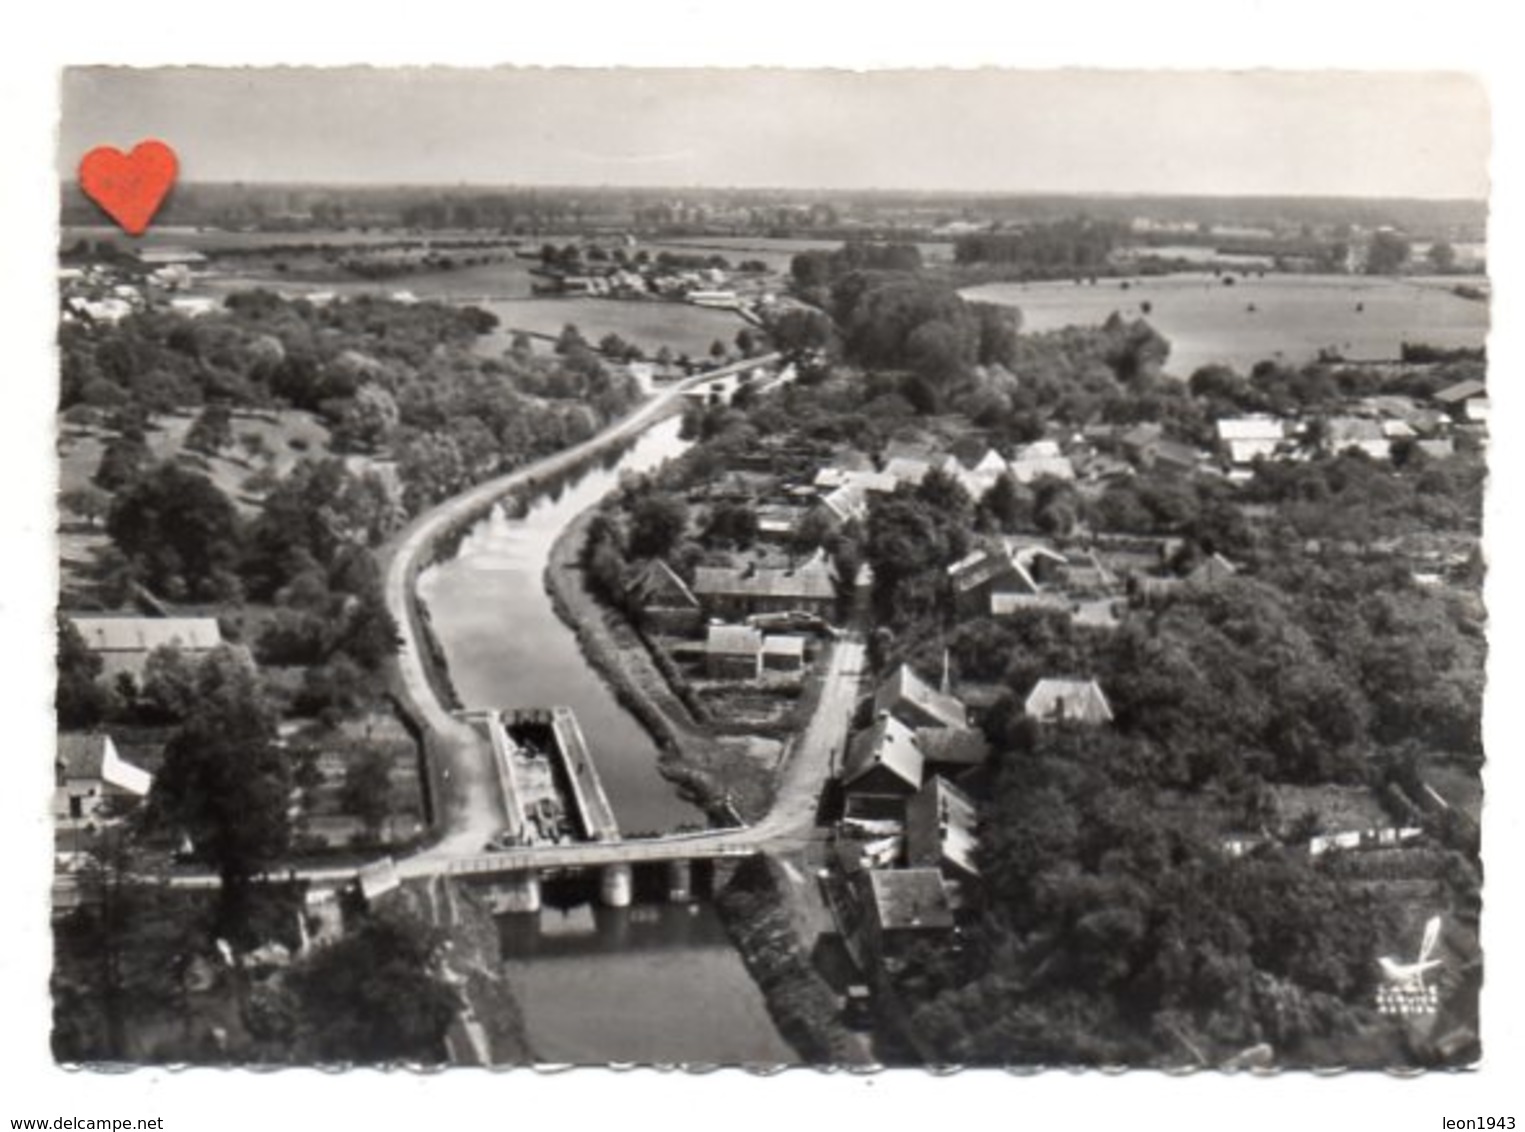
(650, 983)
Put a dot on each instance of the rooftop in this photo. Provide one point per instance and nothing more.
(910, 898)
(904, 686)
(1061, 700)
(763, 582)
(144, 634)
(888, 743)
(733, 640)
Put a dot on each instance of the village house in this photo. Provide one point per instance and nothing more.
(1038, 460)
(895, 907)
(664, 600)
(1247, 439)
(883, 768)
(736, 593)
(783, 652)
(917, 704)
(1460, 394)
(123, 643)
(1006, 568)
(1211, 570)
(1341, 434)
(1056, 700)
(845, 504)
(938, 721)
(733, 652)
(90, 774)
(940, 832)
(777, 522)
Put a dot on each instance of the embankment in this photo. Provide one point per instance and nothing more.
(803, 1006)
(622, 660)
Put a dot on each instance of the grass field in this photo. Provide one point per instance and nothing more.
(1293, 316)
(683, 329)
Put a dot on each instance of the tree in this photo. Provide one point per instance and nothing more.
(801, 331)
(1387, 254)
(123, 953)
(228, 788)
(367, 791)
(734, 523)
(367, 421)
(211, 431)
(81, 700)
(374, 996)
(171, 687)
(86, 501)
(657, 521)
(122, 463)
(1005, 503)
(180, 529)
(1442, 257)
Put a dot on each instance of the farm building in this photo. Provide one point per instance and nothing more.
(783, 652)
(915, 703)
(883, 769)
(940, 830)
(123, 643)
(1055, 700)
(665, 601)
(733, 652)
(1246, 439)
(89, 773)
(737, 592)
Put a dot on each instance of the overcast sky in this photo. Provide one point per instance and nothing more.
(1331, 133)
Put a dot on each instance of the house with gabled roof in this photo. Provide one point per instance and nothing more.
(733, 652)
(890, 908)
(665, 601)
(1460, 392)
(940, 830)
(883, 768)
(123, 643)
(1360, 433)
(89, 774)
(1211, 570)
(915, 703)
(1061, 700)
(1039, 460)
(739, 592)
(845, 504)
(1246, 439)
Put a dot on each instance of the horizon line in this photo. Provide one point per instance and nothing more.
(608, 186)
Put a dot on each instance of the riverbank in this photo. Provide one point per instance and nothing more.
(715, 773)
(489, 1028)
(754, 906)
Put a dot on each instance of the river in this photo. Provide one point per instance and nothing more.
(650, 983)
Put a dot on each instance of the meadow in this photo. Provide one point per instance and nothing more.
(683, 329)
(1284, 317)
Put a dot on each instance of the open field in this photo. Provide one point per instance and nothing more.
(288, 436)
(216, 239)
(1286, 317)
(776, 253)
(682, 328)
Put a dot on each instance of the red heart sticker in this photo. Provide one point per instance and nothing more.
(130, 187)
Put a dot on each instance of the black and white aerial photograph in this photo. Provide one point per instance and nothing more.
(709, 567)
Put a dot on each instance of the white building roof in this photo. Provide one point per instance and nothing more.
(1057, 700)
(144, 634)
(1251, 428)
